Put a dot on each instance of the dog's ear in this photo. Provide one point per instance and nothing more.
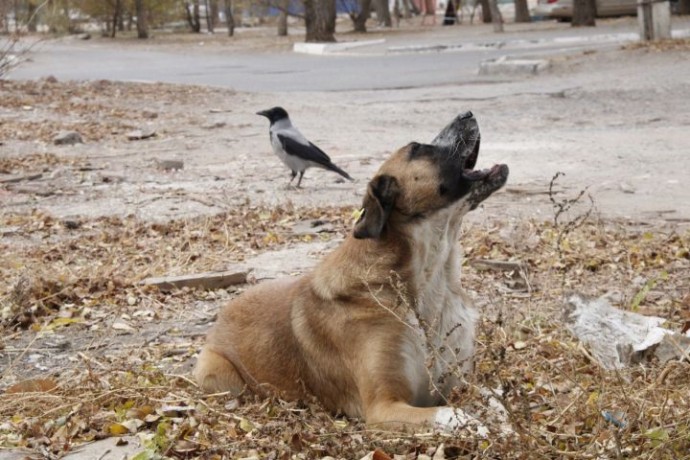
(378, 204)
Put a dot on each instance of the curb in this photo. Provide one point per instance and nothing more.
(507, 44)
(329, 48)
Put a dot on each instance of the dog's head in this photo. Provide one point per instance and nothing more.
(421, 179)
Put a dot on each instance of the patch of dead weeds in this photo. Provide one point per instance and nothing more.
(561, 403)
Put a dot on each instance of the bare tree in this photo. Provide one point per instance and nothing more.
(193, 17)
(522, 11)
(486, 11)
(13, 50)
(359, 19)
(383, 14)
(584, 12)
(208, 16)
(31, 13)
(283, 17)
(684, 7)
(319, 16)
(8, 49)
(229, 18)
(116, 17)
(142, 24)
(214, 12)
(496, 17)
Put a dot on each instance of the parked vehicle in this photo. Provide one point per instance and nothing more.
(563, 9)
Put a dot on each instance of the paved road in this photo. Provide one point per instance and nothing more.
(374, 67)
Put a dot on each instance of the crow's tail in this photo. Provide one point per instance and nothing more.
(334, 168)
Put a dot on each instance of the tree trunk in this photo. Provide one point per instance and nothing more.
(214, 13)
(383, 14)
(31, 15)
(117, 13)
(360, 21)
(319, 16)
(684, 7)
(193, 17)
(406, 10)
(522, 11)
(283, 17)
(142, 26)
(68, 20)
(229, 18)
(584, 12)
(120, 18)
(496, 17)
(209, 20)
(486, 11)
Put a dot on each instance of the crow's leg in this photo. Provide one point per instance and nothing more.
(292, 177)
(299, 181)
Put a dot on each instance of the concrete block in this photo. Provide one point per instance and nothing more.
(328, 48)
(507, 66)
(654, 19)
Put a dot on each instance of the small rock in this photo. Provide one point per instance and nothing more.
(84, 37)
(232, 405)
(71, 224)
(122, 326)
(215, 125)
(312, 227)
(140, 134)
(51, 79)
(150, 114)
(627, 188)
(519, 345)
(176, 411)
(68, 138)
(170, 165)
(4, 231)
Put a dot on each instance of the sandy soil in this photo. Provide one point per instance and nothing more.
(612, 121)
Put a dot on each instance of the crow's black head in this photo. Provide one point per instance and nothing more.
(274, 114)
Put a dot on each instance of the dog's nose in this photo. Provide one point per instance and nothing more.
(455, 134)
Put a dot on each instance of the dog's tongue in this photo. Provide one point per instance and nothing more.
(472, 175)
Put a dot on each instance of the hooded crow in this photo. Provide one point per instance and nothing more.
(293, 148)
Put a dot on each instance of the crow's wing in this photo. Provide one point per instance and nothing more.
(307, 152)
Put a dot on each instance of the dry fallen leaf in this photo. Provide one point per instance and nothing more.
(33, 386)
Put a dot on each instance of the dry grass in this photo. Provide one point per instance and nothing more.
(73, 279)
(671, 44)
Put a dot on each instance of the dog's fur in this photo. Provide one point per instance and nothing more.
(375, 329)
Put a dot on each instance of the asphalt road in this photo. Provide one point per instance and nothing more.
(364, 69)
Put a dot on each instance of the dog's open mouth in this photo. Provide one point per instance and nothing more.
(495, 173)
(484, 181)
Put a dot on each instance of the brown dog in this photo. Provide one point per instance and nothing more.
(377, 328)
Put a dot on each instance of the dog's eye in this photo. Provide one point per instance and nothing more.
(442, 190)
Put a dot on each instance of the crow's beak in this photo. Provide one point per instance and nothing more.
(263, 113)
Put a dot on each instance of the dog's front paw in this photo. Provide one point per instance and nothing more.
(450, 420)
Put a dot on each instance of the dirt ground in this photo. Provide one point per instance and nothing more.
(83, 224)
